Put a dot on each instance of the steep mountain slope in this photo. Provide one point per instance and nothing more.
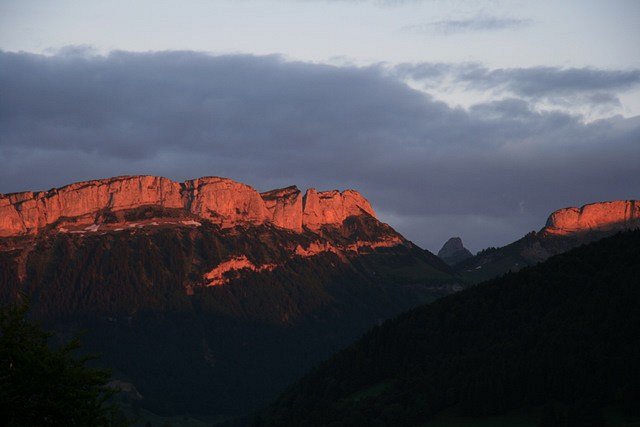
(206, 295)
(558, 340)
(453, 251)
(565, 229)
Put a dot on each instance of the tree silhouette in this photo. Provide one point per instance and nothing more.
(41, 386)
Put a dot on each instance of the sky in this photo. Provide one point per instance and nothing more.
(454, 118)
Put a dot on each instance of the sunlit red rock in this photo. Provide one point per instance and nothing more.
(219, 200)
(315, 248)
(224, 201)
(332, 207)
(22, 213)
(597, 216)
(219, 275)
(285, 207)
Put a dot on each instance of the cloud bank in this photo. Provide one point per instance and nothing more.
(592, 92)
(478, 23)
(489, 173)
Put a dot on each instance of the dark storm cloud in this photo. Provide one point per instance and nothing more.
(489, 173)
(478, 23)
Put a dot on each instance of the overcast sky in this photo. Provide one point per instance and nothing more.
(474, 118)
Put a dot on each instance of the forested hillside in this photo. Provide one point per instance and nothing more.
(143, 298)
(558, 341)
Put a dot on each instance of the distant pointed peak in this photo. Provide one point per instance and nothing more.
(453, 251)
(454, 242)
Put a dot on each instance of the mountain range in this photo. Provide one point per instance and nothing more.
(552, 345)
(208, 298)
(565, 229)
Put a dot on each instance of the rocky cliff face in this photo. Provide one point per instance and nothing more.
(26, 213)
(453, 251)
(233, 292)
(619, 214)
(285, 207)
(220, 200)
(565, 229)
(332, 207)
(224, 201)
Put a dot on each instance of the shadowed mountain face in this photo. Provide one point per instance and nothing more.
(208, 296)
(565, 229)
(454, 252)
(555, 342)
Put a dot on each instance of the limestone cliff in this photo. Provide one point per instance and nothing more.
(220, 200)
(26, 213)
(224, 201)
(619, 214)
(244, 288)
(565, 229)
(332, 207)
(285, 207)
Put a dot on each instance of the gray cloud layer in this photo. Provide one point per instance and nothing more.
(549, 84)
(489, 174)
(478, 23)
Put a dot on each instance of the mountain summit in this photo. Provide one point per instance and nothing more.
(222, 201)
(223, 292)
(565, 229)
(453, 251)
(603, 216)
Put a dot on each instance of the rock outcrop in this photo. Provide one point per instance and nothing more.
(565, 229)
(26, 213)
(332, 207)
(219, 275)
(220, 200)
(619, 214)
(285, 207)
(224, 201)
(453, 251)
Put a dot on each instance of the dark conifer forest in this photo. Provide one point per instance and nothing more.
(206, 351)
(558, 341)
